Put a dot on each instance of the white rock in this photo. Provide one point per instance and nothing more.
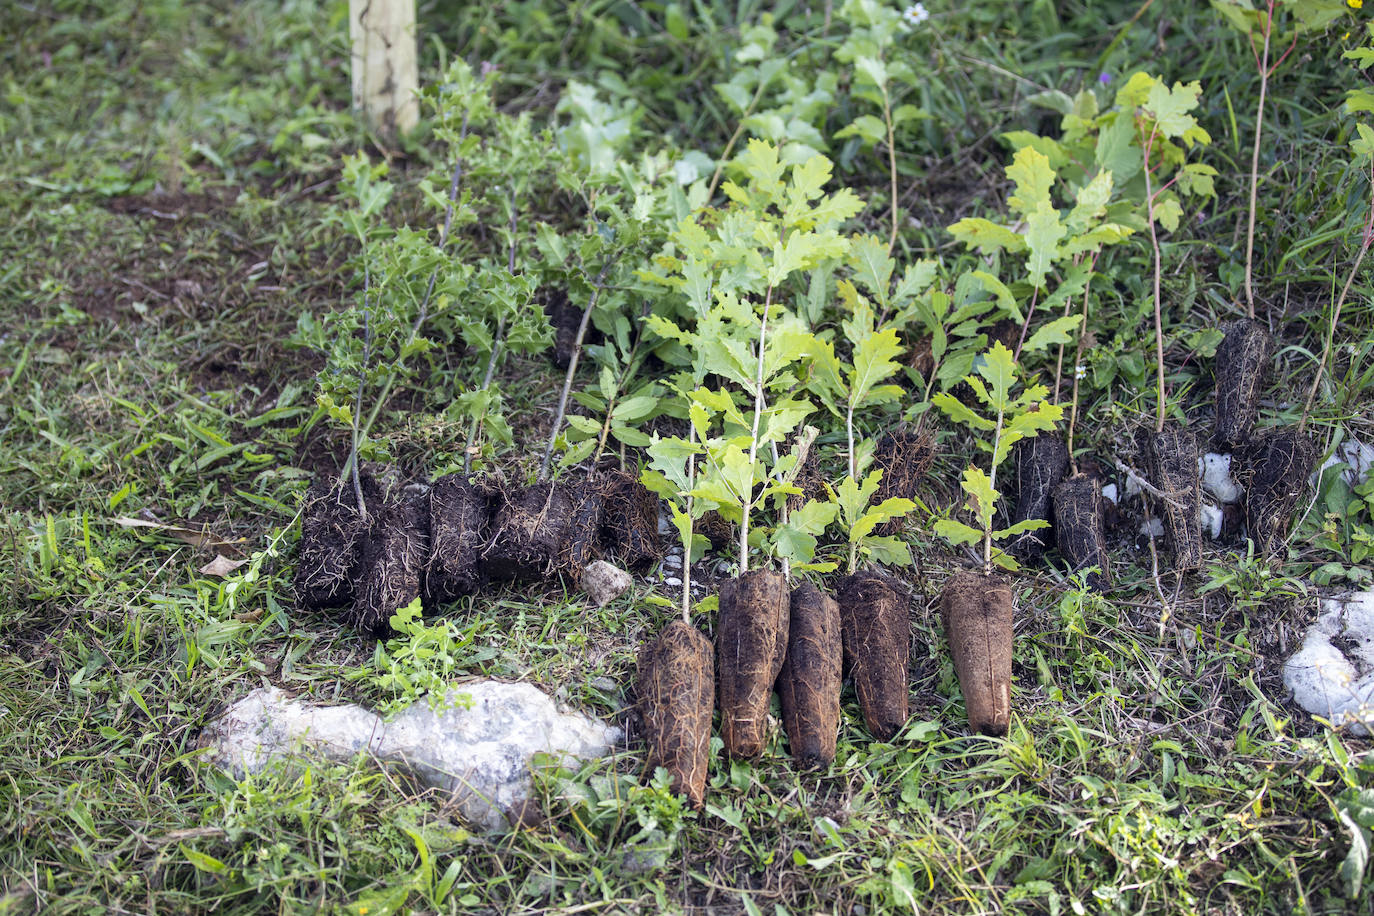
(1355, 455)
(1133, 488)
(1211, 520)
(673, 560)
(1154, 528)
(672, 580)
(1215, 470)
(603, 582)
(1110, 492)
(1334, 682)
(477, 748)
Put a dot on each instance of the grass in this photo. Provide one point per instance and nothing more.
(168, 171)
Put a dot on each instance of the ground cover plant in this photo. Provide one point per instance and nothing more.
(250, 347)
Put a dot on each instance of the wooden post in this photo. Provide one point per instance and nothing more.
(385, 74)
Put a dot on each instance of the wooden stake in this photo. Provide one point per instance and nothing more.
(385, 73)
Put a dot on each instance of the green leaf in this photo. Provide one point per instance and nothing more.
(957, 533)
(874, 361)
(982, 498)
(872, 266)
(1058, 331)
(1031, 171)
(814, 516)
(637, 408)
(1091, 203)
(986, 236)
(1168, 212)
(885, 511)
(1169, 108)
(957, 411)
(1357, 858)
(1043, 232)
(872, 70)
(1030, 524)
(999, 368)
(892, 551)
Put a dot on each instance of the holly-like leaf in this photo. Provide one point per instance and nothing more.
(874, 360)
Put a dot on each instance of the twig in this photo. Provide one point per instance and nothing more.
(1078, 361)
(891, 166)
(1133, 475)
(495, 343)
(747, 499)
(597, 287)
(1159, 320)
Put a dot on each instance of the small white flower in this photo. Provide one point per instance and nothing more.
(915, 14)
(1080, 371)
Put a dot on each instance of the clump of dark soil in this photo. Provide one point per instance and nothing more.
(529, 532)
(904, 457)
(629, 526)
(1041, 463)
(583, 543)
(332, 533)
(1171, 456)
(1078, 529)
(459, 518)
(393, 562)
(716, 529)
(977, 612)
(751, 643)
(676, 695)
(1242, 363)
(1273, 468)
(565, 318)
(877, 648)
(809, 685)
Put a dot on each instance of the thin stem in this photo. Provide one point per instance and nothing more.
(1078, 361)
(1366, 240)
(1025, 326)
(992, 485)
(748, 498)
(687, 548)
(572, 366)
(486, 383)
(734, 138)
(891, 166)
(1254, 167)
(1159, 320)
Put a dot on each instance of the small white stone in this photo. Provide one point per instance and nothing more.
(1357, 457)
(1132, 487)
(1154, 528)
(672, 560)
(1215, 471)
(603, 582)
(1110, 492)
(672, 580)
(1211, 520)
(1335, 680)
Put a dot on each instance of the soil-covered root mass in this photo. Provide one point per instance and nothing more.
(1171, 456)
(332, 534)
(529, 532)
(1078, 528)
(582, 545)
(393, 563)
(1273, 468)
(676, 696)
(459, 516)
(977, 612)
(905, 456)
(751, 643)
(809, 685)
(1041, 463)
(565, 318)
(876, 630)
(1242, 362)
(629, 526)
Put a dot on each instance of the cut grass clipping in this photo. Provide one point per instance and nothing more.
(332, 535)
(1241, 363)
(459, 519)
(977, 612)
(1172, 456)
(809, 685)
(676, 698)
(877, 648)
(751, 643)
(1040, 464)
(1078, 528)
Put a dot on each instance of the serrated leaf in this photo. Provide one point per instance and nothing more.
(1043, 232)
(1168, 213)
(888, 550)
(874, 516)
(999, 369)
(1091, 203)
(1095, 239)
(853, 498)
(1058, 331)
(956, 532)
(957, 411)
(1030, 170)
(982, 498)
(1030, 524)
(873, 71)
(986, 236)
(814, 516)
(872, 266)
(1170, 107)
(874, 360)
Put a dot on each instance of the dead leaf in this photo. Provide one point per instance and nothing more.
(189, 535)
(221, 566)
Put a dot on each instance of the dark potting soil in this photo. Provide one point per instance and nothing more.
(978, 615)
(583, 543)
(332, 532)
(565, 317)
(904, 457)
(751, 643)
(676, 697)
(876, 631)
(629, 526)
(1273, 468)
(1171, 457)
(809, 685)
(393, 562)
(716, 529)
(1242, 363)
(1078, 528)
(1041, 463)
(459, 515)
(529, 531)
